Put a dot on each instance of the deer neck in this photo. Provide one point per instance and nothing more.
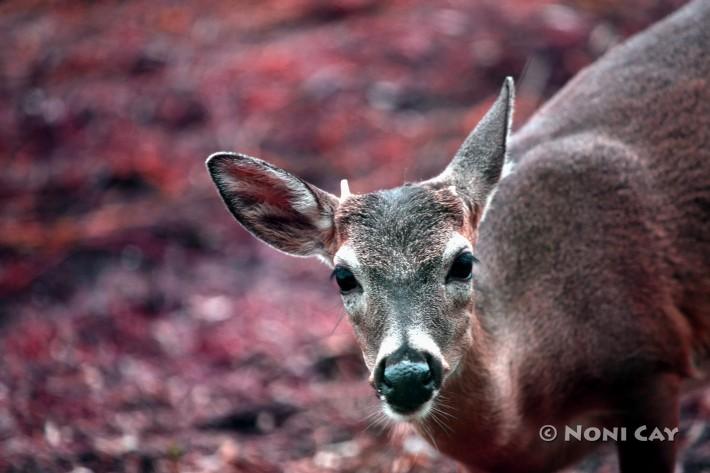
(478, 400)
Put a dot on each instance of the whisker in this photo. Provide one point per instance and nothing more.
(379, 425)
(377, 421)
(440, 422)
(427, 434)
(442, 409)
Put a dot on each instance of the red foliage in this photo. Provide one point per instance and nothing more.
(142, 329)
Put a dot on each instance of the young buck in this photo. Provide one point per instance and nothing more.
(557, 277)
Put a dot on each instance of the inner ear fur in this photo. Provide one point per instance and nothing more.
(275, 206)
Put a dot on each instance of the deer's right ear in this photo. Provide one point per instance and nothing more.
(275, 206)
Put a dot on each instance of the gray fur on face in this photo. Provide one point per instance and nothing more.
(399, 237)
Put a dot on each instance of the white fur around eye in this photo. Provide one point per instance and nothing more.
(346, 256)
(459, 290)
(355, 302)
(454, 246)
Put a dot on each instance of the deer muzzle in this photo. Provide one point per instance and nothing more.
(407, 379)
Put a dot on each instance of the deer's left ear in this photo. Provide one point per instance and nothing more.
(477, 165)
(275, 206)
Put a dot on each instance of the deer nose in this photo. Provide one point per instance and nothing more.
(407, 379)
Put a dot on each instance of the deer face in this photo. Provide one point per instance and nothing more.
(405, 273)
(403, 258)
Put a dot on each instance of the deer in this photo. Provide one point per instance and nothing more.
(556, 276)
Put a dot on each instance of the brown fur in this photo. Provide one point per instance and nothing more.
(591, 301)
(597, 252)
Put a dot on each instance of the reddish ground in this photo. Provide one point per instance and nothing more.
(142, 330)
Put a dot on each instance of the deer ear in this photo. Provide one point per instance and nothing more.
(477, 165)
(275, 206)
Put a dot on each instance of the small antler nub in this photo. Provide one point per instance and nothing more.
(344, 189)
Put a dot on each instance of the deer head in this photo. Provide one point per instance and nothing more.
(403, 258)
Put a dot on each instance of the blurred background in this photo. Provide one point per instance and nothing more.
(141, 329)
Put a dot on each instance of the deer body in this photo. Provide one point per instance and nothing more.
(597, 283)
(573, 291)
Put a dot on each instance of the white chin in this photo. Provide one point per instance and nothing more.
(419, 414)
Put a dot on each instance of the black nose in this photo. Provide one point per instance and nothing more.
(407, 379)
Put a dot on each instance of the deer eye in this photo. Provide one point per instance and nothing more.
(461, 267)
(345, 279)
